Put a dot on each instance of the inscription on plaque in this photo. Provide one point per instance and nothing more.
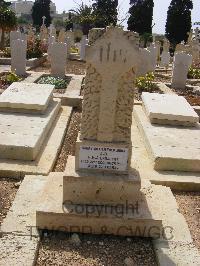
(104, 158)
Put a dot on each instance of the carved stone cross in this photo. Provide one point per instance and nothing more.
(112, 56)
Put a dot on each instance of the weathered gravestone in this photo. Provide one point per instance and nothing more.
(94, 34)
(62, 36)
(101, 175)
(51, 41)
(154, 53)
(165, 57)
(52, 31)
(182, 62)
(84, 42)
(108, 102)
(18, 57)
(145, 65)
(15, 35)
(58, 59)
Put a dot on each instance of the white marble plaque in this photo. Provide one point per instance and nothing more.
(103, 158)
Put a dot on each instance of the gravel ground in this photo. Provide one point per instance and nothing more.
(73, 67)
(95, 250)
(8, 190)
(189, 206)
(68, 147)
(192, 97)
(138, 93)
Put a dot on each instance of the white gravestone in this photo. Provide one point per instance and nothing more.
(15, 35)
(182, 62)
(52, 40)
(195, 51)
(154, 52)
(58, 59)
(18, 57)
(165, 57)
(52, 31)
(84, 42)
(145, 65)
(62, 36)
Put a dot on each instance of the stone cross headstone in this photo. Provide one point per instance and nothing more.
(18, 57)
(58, 59)
(84, 42)
(43, 20)
(182, 62)
(112, 63)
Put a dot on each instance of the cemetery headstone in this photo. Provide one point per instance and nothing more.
(58, 59)
(18, 57)
(105, 132)
(182, 62)
(153, 52)
(84, 42)
(165, 57)
(15, 35)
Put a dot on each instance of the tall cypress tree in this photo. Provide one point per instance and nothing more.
(178, 21)
(141, 16)
(41, 8)
(105, 12)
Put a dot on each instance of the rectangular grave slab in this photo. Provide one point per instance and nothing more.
(169, 147)
(169, 109)
(26, 97)
(22, 135)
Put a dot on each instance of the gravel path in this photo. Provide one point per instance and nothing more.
(8, 190)
(68, 147)
(95, 251)
(73, 67)
(189, 206)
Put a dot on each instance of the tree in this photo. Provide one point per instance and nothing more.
(83, 15)
(178, 21)
(41, 8)
(141, 16)
(8, 20)
(105, 12)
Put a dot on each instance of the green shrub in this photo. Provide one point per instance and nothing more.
(146, 83)
(9, 78)
(194, 73)
(7, 52)
(34, 49)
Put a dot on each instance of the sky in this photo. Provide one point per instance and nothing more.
(160, 10)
